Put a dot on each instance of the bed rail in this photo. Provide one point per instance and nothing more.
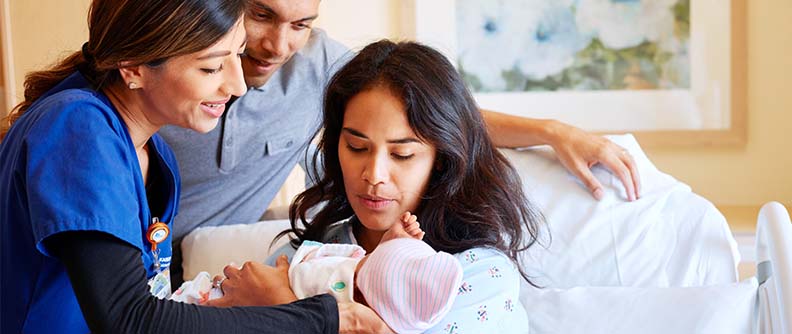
(774, 268)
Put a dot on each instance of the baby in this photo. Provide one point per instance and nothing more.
(408, 284)
(404, 280)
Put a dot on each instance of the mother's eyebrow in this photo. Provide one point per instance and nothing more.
(407, 140)
(404, 141)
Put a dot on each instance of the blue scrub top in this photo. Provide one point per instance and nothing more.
(68, 164)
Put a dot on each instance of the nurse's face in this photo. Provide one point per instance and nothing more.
(386, 167)
(191, 91)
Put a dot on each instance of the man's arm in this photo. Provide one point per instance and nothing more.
(577, 150)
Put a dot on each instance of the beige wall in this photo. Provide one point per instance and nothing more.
(759, 172)
(762, 171)
(43, 31)
(2, 76)
(359, 22)
(6, 80)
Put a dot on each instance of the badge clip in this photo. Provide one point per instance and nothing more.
(157, 233)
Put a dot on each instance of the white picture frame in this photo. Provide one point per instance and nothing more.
(711, 112)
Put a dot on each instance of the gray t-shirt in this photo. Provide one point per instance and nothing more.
(231, 174)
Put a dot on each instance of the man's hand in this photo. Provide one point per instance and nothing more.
(255, 284)
(579, 150)
(357, 318)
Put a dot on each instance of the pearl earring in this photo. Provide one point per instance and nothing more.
(132, 85)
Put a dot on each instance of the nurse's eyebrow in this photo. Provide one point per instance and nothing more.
(392, 141)
(215, 54)
(221, 53)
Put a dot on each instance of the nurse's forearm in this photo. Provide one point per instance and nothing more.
(109, 281)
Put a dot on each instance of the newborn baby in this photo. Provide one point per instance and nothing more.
(408, 284)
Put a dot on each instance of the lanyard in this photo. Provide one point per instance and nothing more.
(156, 234)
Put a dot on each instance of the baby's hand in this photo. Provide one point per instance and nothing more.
(407, 227)
(411, 225)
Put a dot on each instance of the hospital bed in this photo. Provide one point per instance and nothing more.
(666, 263)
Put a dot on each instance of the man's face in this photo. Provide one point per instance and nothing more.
(276, 30)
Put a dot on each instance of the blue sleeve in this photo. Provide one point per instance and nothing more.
(488, 298)
(79, 171)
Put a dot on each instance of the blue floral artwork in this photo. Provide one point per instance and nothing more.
(551, 45)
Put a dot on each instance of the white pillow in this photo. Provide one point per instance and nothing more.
(669, 237)
(210, 249)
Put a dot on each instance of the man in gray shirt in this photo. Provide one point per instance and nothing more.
(231, 174)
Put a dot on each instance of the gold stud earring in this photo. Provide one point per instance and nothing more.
(132, 85)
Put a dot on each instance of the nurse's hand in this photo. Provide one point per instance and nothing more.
(358, 318)
(255, 284)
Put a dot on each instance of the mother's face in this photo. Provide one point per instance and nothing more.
(386, 167)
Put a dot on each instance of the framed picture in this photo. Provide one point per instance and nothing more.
(672, 72)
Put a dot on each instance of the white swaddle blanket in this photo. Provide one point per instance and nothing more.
(325, 268)
(197, 291)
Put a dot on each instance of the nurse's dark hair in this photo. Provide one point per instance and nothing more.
(138, 32)
(474, 197)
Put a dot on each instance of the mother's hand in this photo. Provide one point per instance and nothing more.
(357, 318)
(255, 284)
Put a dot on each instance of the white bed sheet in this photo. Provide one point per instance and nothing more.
(715, 309)
(670, 237)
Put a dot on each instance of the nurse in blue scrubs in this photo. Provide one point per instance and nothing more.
(88, 189)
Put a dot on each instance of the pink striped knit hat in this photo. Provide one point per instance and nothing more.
(408, 284)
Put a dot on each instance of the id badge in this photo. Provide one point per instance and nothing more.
(159, 285)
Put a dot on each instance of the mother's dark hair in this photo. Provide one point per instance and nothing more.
(136, 31)
(474, 197)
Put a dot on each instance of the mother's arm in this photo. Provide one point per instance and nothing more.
(488, 298)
